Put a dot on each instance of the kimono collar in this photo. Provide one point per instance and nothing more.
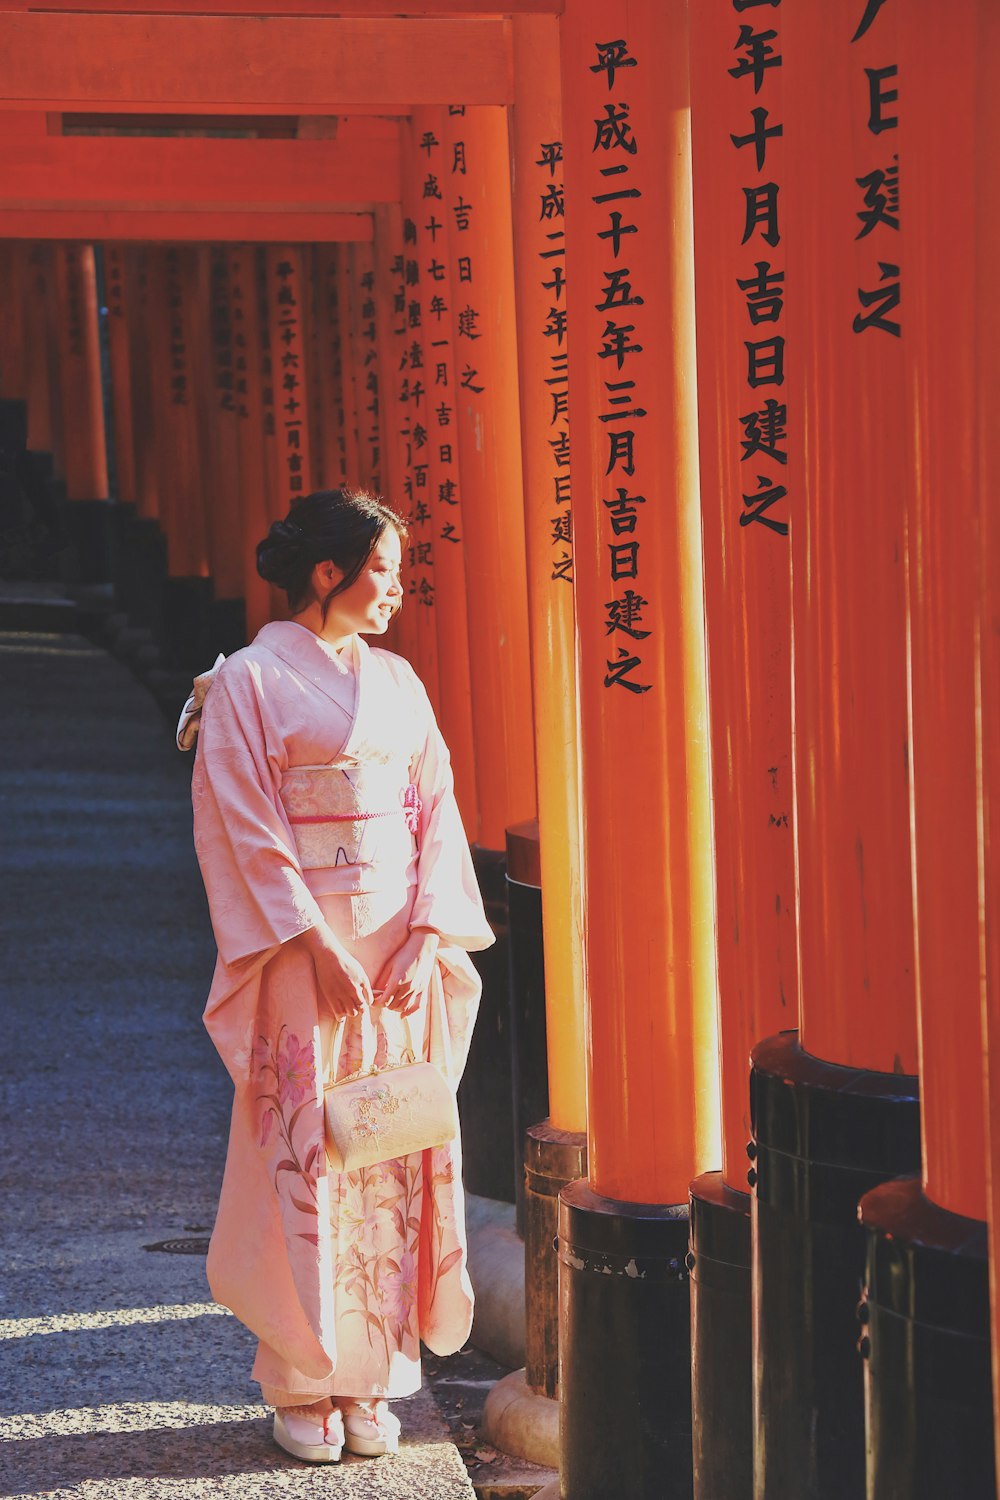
(309, 656)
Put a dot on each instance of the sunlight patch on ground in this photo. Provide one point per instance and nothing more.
(114, 1317)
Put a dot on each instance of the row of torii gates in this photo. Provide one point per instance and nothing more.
(674, 330)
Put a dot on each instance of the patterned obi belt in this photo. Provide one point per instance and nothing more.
(354, 825)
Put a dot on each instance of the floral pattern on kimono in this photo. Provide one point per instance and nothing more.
(339, 1275)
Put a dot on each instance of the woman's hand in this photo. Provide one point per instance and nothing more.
(341, 981)
(405, 977)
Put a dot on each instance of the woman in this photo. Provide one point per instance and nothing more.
(341, 890)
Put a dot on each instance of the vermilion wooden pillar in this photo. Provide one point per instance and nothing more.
(432, 250)
(120, 360)
(82, 414)
(744, 432)
(364, 359)
(481, 289)
(835, 1112)
(40, 369)
(928, 1382)
(345, 321)
(13, 363)
(546, 903)
(140, 315)
(248, 391)
(220, 444)
(329, 367)
(987, 230)
(653, 1098)
(286, 294)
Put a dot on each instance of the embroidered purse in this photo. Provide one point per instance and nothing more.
(377, 1114)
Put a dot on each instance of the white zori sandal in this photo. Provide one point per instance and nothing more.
(370, 1428)
(310, 1433)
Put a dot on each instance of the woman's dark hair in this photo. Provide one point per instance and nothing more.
(339, 526)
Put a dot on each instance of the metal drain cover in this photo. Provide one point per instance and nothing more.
(180, 1247)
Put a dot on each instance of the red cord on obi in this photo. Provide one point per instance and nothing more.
(411, 808)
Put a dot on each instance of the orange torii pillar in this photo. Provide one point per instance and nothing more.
(544, 898)
(476, 207)
(31, 535)
(329, 370)
(443, 479)
(122, 427)
(286, 296)
(221, 442)
(254, 462)
(987, 397)
(835, 1111)
(925, 1312)
(743, 430)
(84, 453)
(389, 310)
(364, 363)
(345, 336)
(13, 363)
(39, 299)
(416, 417)
(653, 1095)
(146, 543)
(187, 595)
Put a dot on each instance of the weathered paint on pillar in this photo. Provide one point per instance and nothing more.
(743, 429)
(987, 257)
(39, 367)
(286, 292)
(329, 368)
(540, 265)
(433, 254)
(116, 296)
(477, 204)
(84, 452)
(13, 361)
(843, 385)
(248, 392)
(653, 1097)
(221, 429)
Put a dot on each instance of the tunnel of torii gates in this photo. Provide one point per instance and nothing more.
(673, 331)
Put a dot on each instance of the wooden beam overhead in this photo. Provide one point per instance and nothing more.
(141, 172)
(311, 8)
(238, 64)
(206, 227)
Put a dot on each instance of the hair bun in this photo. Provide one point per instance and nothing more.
(280, 556)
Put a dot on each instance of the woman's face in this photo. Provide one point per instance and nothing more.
(374, 596)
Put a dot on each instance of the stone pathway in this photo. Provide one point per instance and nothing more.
(119, 1377)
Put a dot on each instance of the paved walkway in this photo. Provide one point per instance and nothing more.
(119, 1376)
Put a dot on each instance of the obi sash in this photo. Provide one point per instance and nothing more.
(354, 824)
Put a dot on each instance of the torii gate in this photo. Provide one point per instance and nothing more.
(548, 369)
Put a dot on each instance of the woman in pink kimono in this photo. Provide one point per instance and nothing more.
(341, 889)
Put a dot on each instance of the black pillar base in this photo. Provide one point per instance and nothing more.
(823, 1136)
(925, 1336)
(625, 1349)
(89, 528)
(552, 1159)
(485, 1103)
(721, 1348)
(229, 626)
(187, 622)
(527, 993)
(123, 520)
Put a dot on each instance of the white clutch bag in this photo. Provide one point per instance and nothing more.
(377, 1114)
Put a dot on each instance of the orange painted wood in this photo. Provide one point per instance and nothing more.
(367, 8)
(987, 256)
(116, 296)
(543, 378)
(287, 291)
(329, 368)
(747, 587)
(58, 60)
(432, 249)
(345, 316)
(173, 290)
(40, 368)
(140, 314)
(84, 451)
(221, 424)
(477, 202)
(417, 418)
(253, 463)
(653, 1094)
(364, 361)
(845, 397)
(937, 56)
(13, 364)
(196, 225)
(156, 174)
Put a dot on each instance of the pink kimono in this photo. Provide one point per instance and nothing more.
(323, 793)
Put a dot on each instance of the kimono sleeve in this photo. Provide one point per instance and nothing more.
(257, 896)
(448, 897)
